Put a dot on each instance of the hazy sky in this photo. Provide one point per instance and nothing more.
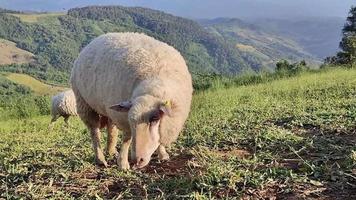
(205, 8)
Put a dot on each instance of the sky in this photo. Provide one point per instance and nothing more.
(205, 8)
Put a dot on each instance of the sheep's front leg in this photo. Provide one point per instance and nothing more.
(66, 118)
(123, 160)
(112, 139)
(162, 153)
(54, 118)
(51, 124)
(99, 155)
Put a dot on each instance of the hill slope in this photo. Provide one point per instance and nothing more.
(283, 139)
(10, 54)
(57, 39)
(35, 85)
(33, 18)
(255, 43)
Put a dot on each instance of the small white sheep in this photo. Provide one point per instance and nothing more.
(63, 105)
(141, 85)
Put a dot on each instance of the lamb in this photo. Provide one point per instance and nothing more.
(63, 105)
(141, 85)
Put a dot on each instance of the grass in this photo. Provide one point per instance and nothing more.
(33, 18)
(290, 138)
(37, 86)
(10, 54)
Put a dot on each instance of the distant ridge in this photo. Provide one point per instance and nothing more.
(255, 43)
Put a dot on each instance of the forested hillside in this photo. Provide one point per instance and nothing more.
(57, 39)
(226, 47)
(203, 51)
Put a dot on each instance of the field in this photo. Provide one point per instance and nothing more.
(289, 139)
(33, 18)
(11, 54)
(37, 86)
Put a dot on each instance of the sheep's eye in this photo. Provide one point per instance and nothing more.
(154, 118)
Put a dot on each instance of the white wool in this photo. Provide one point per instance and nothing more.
(64, 104)
(118, 67)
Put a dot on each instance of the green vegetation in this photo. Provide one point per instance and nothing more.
(289, 138)
(19, 102)
(56, 39)
(348, 43)
(284, 69)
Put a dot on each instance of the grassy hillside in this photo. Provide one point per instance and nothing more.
(10, 54)
(18, 101)
(254, 43)
(35, 85)
(33, 18)
(291, 138)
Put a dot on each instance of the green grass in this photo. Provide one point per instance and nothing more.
(290, 138)
(37, 86)
(33, 18)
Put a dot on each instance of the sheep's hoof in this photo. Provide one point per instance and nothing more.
(163, 156)
(124, 166)
(102, 163)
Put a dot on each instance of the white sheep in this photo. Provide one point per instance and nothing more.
(63, 105)
(141, 85)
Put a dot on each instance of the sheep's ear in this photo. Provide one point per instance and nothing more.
(122, 107)
(166, 108)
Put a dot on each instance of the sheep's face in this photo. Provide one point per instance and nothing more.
(145, 114)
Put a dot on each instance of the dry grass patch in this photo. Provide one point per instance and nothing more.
(33, 18)
(37, 86)
(10, 54)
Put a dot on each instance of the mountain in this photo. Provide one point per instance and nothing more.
(225, 46)
(318, 36)
(56, 39)
(254, 43)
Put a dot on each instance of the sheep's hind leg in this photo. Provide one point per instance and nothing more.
(112, 139)
(123, 160)
(99, 155)
(92, 120)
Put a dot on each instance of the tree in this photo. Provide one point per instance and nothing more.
(283, 66)
(348, 42)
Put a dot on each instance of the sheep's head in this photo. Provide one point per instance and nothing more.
(145, 116)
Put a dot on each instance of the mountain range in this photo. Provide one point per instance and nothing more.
(222, 45)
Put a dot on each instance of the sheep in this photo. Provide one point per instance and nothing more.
(141, 85)
(63, 105)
